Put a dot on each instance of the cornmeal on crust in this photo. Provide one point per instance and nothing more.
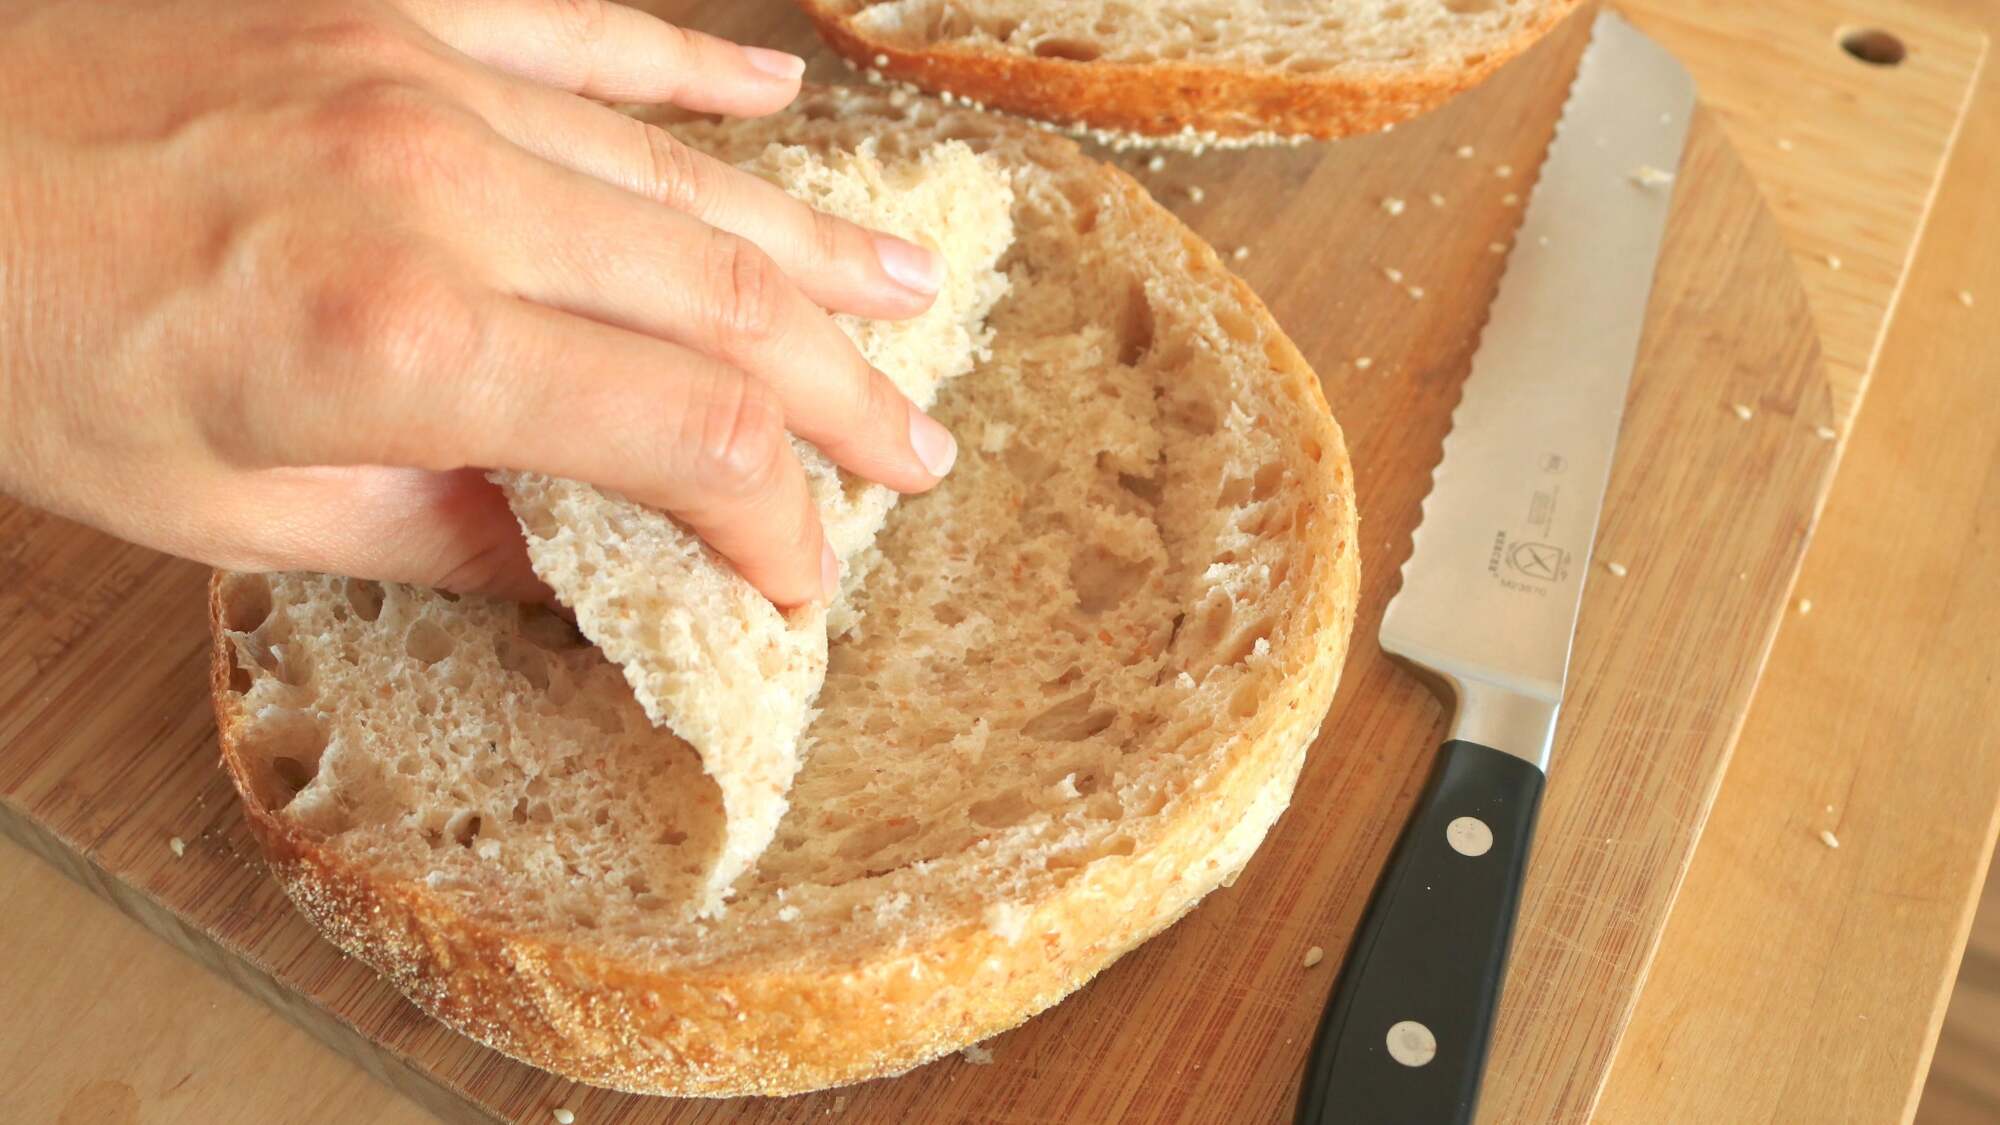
(1202, 73)
(1079, 682)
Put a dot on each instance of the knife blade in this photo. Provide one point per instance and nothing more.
(1491, 591)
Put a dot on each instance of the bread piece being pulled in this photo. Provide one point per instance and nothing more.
(707, 655)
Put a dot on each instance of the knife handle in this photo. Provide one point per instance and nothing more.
(1404, 1036)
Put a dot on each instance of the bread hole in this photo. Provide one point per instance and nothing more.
(1074, 50)
(427, 641)
(1135, 326)
(519, 814)
(1276, 56)
(638, 885)
(1103, 580)
(871, 840)
(1236, 326)
(1004, 29)
(1150, 803)
(464, 828)
(1311, 448)
(1211, 622)
(1245, 642)
(1003, 810)
(672, 837)
(1145, 488)
(1265, 484)
(239, 676)
(1475, 58)
(539, 522)
(1069, 676)
(525, 661)
(1395, 12)
(1246, 699)
(1104, 806)
(1308, 66)
(364, 597)
(246, 602)
(1120, 844)
(286, 746)
(947, 613)
(293, 773)
(1235, 493)
(1072, 720)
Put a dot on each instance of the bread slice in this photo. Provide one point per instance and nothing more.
(1212, 73)
(707, 655)
(1083, 677)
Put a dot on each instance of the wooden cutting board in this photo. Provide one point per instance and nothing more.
(106, 749)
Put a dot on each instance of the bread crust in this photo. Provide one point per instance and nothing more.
(662, 1027)
(1163, 99)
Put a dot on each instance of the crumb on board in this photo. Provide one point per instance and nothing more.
(1465, 152)
(1785, 144)
(1416, 292)
(1314, 956)
(1805, 605)
(1833, 261)
(1496, 248)
(1437, 199)
(1827, 837)
(1511, 199)
(1617, 569)
(1965, 297)
(1826, 433)
(1195, 194)
(978, 1055)
(1392, 205)
(1241, 253)
(1666, 119)
(1158, 163)
(1741, 411)
(1394, 275)
(1647, 176)
(1504, 171)
(1363, 363)
(177, 846)
(563, 1115)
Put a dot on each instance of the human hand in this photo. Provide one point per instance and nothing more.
(279, 281)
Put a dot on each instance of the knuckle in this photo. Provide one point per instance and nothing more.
(388, 131)
(359, 39)
(746, 291)
(389, 327)
(582, 21)
(743, 443)
(674, 173)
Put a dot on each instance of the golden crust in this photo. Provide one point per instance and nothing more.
(1165, 98)
(664, 1028)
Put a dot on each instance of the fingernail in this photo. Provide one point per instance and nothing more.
(777, 64)
(933, 443)
(829, 571)
(910, 265)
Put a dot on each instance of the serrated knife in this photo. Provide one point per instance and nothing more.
(1490, 594)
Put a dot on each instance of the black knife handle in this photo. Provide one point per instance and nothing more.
(1422, 977)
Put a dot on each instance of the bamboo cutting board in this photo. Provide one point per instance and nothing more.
(106, 749)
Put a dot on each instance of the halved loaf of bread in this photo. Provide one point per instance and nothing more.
(1082, 679)
(1212, 72)
(707, 655)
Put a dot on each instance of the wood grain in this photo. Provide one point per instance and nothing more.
(1306, 889)
(1801, 983)
(1964, 1083)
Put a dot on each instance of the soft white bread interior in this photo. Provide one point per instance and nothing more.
(707, 655)
(1191, 73)
(1081, 679)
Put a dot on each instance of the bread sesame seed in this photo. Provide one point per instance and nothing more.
(1394, 275)
(1828, 838)
(1826, 433)
(563, 1116)
(1465, 152)
(1363, 363)
(1742, 411)
(1805, 605)
(177, 846)
(1965, 297)
(1504, 171)
(1392, 205)
(1314, 956)
(1617, 569)
(1437, 200)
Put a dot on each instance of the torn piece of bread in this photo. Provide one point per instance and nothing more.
(707, 655)
(1205, 73)
(1084, 677)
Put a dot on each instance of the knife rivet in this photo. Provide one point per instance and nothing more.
(1411, 1043)
(1469, 835)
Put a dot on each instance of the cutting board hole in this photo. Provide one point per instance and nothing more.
(1873, 46)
